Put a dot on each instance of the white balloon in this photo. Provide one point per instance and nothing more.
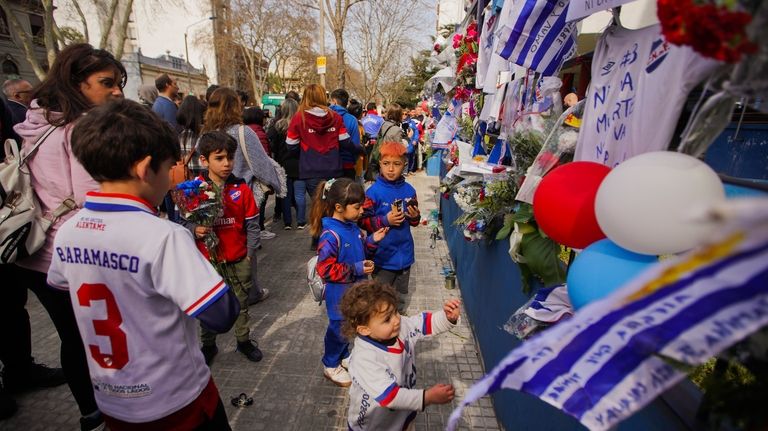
(647, 204)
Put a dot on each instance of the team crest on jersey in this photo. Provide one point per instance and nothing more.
(659, 51)
(235, 195)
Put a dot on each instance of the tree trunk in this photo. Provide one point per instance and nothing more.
(51, 47)
(122, 30)
(80, 13)
(107, 22)
(26, 40)
(340, 65)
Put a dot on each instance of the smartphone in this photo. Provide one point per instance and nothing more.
(397, 203)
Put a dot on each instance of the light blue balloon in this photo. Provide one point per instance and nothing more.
(602, 268)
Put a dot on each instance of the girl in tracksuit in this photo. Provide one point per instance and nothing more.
(341, 250)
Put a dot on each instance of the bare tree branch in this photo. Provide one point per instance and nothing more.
(122, 30)
(80, 13)
(25, 38)
(107, 22)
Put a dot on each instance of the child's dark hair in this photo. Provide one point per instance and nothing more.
(216, 140)
(342, 191)
(113, 137)
(361, 301)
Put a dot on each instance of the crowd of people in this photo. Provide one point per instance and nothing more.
(121, 241)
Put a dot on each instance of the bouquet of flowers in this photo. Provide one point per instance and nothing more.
(713, 28)
(466, 50)
(200, 202)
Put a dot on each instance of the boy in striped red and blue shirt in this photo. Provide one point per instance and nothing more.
(383, 395)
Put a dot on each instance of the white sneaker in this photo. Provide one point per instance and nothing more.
(265, 234)
(339, 376)
(345, 363)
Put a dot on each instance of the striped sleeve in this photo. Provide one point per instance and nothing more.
(426, 324)
(328, 266)
(183, 275)
(249, 202)
(369, 220)
(343, 132)
(375, 378)
(294, 131)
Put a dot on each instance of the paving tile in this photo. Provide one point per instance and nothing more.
(289, 390)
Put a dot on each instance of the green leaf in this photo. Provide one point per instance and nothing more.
(524, 213)
(542, 256)
(506, 229)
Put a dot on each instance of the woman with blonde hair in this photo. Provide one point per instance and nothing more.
(318, 132)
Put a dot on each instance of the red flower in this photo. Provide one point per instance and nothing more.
(457, 38)
(711, 30)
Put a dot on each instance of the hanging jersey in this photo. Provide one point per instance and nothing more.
(639, 86)
(382, 396)
(136, 281)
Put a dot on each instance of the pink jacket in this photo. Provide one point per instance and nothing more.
(56, 175)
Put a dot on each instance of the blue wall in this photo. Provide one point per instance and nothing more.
(744, 155)
(491, 291)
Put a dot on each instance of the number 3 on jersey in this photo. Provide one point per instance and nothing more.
(109, 327)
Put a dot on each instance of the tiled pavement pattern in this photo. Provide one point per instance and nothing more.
(288, 388)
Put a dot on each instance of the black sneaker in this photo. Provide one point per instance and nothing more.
(250, 351)
(37, 376)
(92, 423)
(209, 352)
(8, 405)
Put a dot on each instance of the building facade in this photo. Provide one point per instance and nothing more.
(13, 61)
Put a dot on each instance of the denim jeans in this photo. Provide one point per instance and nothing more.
(301, 188)
(290, 201)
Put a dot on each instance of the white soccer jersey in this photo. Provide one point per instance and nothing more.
(136, 281)
(639, 86)
(382, 396)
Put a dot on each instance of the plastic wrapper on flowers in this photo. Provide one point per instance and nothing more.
(558, 148)
(200, 202)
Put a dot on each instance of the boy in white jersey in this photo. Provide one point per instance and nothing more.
(137, 281)
(383, 396)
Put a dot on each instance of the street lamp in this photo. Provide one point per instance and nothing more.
(186, 47)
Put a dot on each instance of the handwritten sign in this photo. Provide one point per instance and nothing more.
(581, 8)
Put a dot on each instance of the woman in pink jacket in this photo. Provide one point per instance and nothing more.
(81, 77)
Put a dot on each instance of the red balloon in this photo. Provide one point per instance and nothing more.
(564, 203)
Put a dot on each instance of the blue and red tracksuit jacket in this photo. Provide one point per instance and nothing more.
(395, 251)
(340, 260)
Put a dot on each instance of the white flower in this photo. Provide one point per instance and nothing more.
(210, 195)
(203, 185)
(566, 142)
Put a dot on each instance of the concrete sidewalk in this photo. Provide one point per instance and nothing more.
(288, 387)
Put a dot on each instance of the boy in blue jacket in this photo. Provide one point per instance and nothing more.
(391, 202)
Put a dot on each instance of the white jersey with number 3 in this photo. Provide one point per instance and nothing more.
(136, 283)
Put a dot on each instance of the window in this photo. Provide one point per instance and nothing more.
(5, 31)
(37, 28)
(10, 68)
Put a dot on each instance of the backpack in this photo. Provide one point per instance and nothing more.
(314, 281)
(22, 225)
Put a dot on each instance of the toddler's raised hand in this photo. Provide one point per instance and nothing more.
(452, 308)
(380, 234)
(439, 394)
